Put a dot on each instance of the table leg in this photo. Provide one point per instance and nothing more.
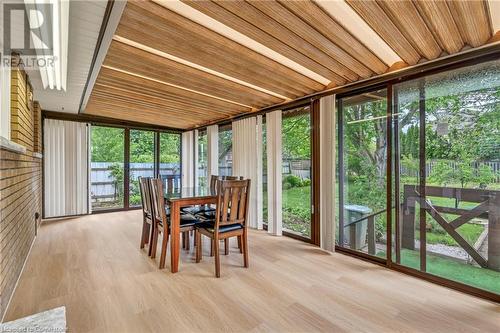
(175, 216)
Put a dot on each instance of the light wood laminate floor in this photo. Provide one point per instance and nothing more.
(94, 267)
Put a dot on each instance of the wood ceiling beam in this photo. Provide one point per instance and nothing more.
(147, 94)
(168, 114)
(110, 76)
(143, 63)
(164, 30)
(216, 11)
(439, 19)
(151, 92)
(472, 21)
(315, 16)
(407, 19)
(273, 9)
(191, 111)
(266, 24)
(379, 21)
(101, 107)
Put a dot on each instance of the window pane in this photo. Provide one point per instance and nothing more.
(364, 152)
(106, 173)
(296, 174)
(170, 157)
(225, 150)
(142, 161)
(461, 145)
(202, 172)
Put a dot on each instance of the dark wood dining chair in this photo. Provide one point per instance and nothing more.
(147, 213)
(162, 221)
(231, 214)
(207, 212)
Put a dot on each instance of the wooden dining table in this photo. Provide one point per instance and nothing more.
(177, 199)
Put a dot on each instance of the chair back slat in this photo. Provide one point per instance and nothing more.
(172, 183)
(144, 187)
(158, 200)
(243, 208)
(233, 211)
(225, 202)
(232, 202)
(215, 178)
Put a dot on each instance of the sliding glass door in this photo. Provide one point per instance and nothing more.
(142, 162)
(119, 156)
(296, 129)
(362, 167)
(107, 168)
(225, 150)
(202, 167)
(447, 180)
(170, 157)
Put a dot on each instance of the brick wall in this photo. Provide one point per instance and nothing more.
(20, 186)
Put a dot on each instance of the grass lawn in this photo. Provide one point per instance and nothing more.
(296, 203)
(482, 278)
(296, 217)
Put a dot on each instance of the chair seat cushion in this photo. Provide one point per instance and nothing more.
(209, 226)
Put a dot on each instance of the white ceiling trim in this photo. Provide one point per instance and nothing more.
(208, 22)
(174, 85)
(350, 20)
(112, 24)
(494, 6)
(191, 64)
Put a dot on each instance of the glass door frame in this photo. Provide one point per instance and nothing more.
(126, 161)
(393, 164)
(341, 168)
(314, 106)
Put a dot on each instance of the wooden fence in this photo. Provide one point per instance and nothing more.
(412, 172)
(104, 187)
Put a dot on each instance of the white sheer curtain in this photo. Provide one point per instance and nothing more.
(274, 162)
(65, 168)
(188, 164)
(245, 163)
(327, 172)
(213, 151)
(260, 199)
(195, 163)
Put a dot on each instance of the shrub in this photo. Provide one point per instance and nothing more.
(291, 181)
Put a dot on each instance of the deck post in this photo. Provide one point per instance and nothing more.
(494, 232)
(408, 227)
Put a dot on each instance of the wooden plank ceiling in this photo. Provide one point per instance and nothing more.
(184, 64)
